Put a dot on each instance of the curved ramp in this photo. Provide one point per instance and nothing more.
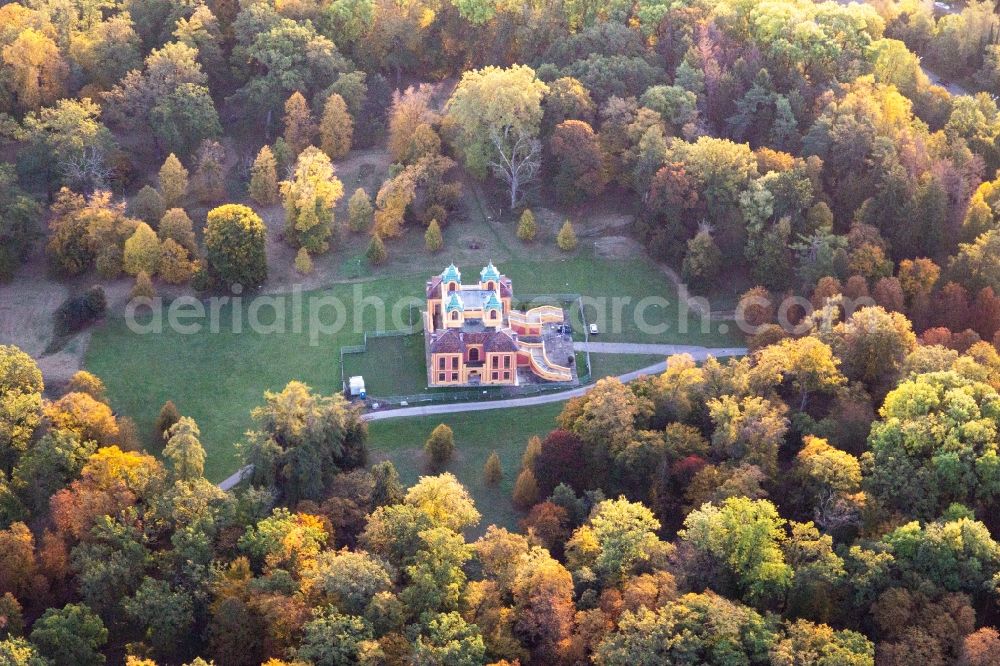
(544, 314)
(542, 366)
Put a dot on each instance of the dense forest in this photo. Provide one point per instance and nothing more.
(831, 498)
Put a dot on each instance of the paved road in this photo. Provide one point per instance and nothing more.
(699, 354)
(953, 88)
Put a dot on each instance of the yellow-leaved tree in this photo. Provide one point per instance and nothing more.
(37, 70)
(264, 178)
(336, 128)
(142, 251)
(300, 128)
(309, 198)
(497, 113)
(173, 181)
(391, 202)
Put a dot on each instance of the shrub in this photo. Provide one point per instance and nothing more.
(527, 229)
(128, 434)
(359, 211)
(85, 382)
(376, 252)
(175, 266)
(210, 173)
(78, 311)
(440, 446)
(303, 262)
(756, 306)
(143, 287)
(432, 237)
(176, 225)
(202, 279)
(566, 239)
(492, 470)
(147, 206)
(702, 261)
(531, 451)
(283, 156)
(827, 287)
(525, 490)
(169, 415)
(109, 262)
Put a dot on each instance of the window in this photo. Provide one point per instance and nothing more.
(495, 376)
(474, 354)
(454, 376)
(490, 286)
(454, 362)
(441, 363)
(441, 376)
(494, 362)
(454, 315)
(506, 375)
(506, 361)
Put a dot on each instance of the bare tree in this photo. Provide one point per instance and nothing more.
(87, 171)
(833, 510)
(517, 160)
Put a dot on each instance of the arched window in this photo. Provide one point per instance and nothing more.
(490, 286)
(454, 316)
(493, 314)
(452, 286)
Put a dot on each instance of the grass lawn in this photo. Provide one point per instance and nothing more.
(217, 378)
(391, 366)
(612, 365)
(476, 435)
(615, 291)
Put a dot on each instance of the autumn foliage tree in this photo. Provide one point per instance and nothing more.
(577, 161)
(359, 211)
(264, 178)
(235, 241)
(411, 125)
(566, 238)
(336, 128)
(527, 229)
(376, 252)
(210, 171)
(184, 450)
(173, 178)
(310, 197)
(300, 127)
(432, 237)
(142, 251)
(440, 446)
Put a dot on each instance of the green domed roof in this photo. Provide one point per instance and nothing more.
(451, 274)
(489, 273)
(454, 303)
(492, 303)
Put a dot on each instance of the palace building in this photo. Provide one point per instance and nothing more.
(474, 338)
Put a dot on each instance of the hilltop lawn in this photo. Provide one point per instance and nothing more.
(217, 378)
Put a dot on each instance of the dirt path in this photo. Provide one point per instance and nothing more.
(695, 303)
